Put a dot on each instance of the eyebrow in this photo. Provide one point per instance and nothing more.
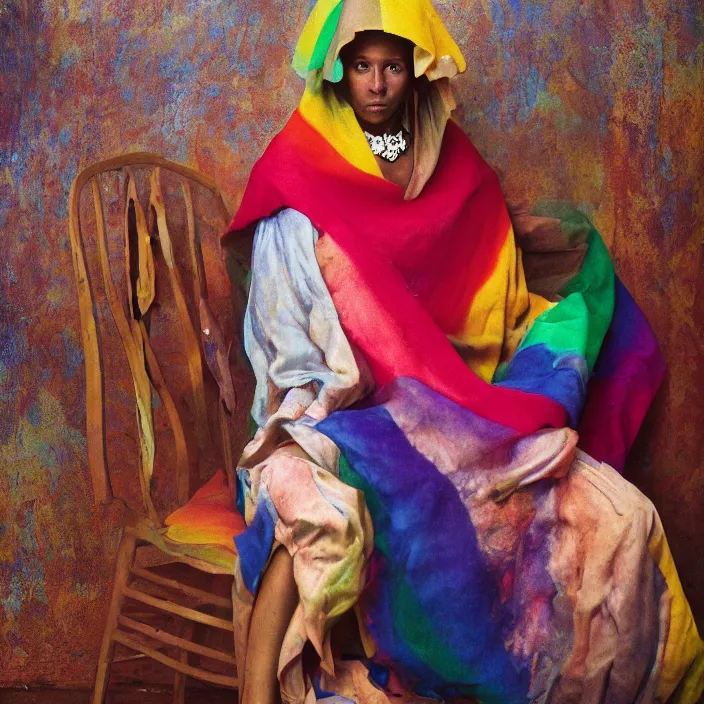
(364, 57)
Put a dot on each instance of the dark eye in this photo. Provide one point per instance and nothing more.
(395, 68)
(361, 65)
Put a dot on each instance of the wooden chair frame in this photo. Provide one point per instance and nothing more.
(146, 529)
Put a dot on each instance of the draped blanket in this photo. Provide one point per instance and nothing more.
(434, 373)
(426, 365)
(410, 278)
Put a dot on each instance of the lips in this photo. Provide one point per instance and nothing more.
(376, 107)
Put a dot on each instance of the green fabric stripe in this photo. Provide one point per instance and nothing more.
(409, 617)
(322, 45)
(579, 322)
(376, 508)
(418, 632)
(596, 283)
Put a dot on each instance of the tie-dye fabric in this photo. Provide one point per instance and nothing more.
(431, 287)
(505, 566)
(426, 365)
(511, 570)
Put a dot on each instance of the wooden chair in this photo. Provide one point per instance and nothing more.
(161, 280)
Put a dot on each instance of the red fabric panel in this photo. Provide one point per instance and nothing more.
(416, 264)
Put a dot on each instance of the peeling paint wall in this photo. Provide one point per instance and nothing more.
(599, 103)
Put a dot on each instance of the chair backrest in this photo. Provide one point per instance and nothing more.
(172, 356)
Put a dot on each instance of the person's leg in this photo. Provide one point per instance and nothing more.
(277, 599)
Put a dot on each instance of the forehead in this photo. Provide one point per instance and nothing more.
(380, 44)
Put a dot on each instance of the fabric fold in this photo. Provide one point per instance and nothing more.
(426, 364)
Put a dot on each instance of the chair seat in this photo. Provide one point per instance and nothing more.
(202, 529)
(209, 517)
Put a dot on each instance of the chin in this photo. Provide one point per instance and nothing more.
(376, 118)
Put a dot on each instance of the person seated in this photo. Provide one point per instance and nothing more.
(418, 512)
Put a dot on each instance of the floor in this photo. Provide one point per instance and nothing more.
(117, 695)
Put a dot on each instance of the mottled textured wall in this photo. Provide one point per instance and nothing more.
(600, 103)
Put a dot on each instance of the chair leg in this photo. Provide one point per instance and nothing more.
(180, 683)
(179, 678)
(125, 556)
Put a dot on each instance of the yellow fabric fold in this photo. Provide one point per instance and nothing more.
(501, 312)
(332, 24)
(683, 659)
(335, 119)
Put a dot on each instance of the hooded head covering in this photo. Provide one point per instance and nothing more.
(332, 25)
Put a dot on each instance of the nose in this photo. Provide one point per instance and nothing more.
(378, 81)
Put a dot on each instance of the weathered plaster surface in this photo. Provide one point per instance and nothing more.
(600, 103)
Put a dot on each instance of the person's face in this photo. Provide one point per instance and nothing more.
(378, 72)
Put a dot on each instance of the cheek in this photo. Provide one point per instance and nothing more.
(399, 86)
(356, 85)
